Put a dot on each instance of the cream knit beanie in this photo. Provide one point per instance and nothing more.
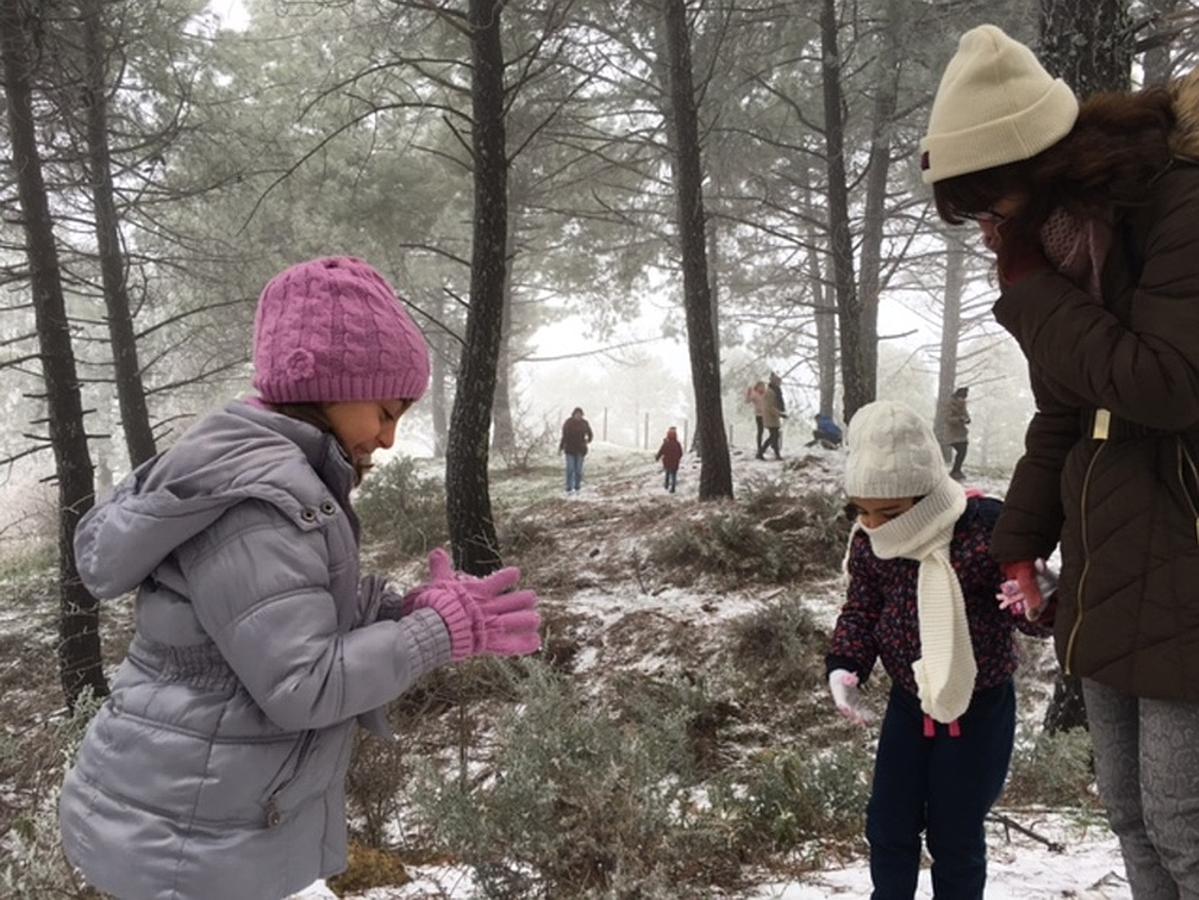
(996, 104)
(892, 453)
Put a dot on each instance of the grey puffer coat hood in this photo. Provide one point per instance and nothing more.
(216, 768)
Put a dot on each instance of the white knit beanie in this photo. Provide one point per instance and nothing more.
(996, 104)
(892, 453)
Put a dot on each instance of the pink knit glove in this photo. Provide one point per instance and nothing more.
(440, 569)
(483, 619)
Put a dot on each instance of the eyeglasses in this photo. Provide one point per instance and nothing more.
(988, 216)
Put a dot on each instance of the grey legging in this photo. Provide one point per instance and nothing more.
(1147, 766)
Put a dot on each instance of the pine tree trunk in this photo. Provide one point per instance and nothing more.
(855, 375)
(1087, 43)
(712, 236)
(826, 336)
(503, 439)
(1066, 710)
(716, 476)
(468, 497)
(824, 305)
(878, 168)
(79, 633)
(440, 344)
(1157, 62)
(951, 328)
(131, 395)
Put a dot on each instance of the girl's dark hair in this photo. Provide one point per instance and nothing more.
(1118, 145)
(577, 409)
(314, 415)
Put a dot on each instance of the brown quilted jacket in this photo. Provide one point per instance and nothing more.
(1110, 467)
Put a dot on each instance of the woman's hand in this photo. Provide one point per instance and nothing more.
(1029, 587)
(1017, 254)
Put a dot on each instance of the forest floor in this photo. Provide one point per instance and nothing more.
(719, 610)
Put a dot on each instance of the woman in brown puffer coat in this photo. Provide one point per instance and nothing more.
(1093, 214)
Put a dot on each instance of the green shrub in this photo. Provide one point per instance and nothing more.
(403, 514)
(790, 797)
(576, 803)
(727, 543)
(804, 537)
(765, 496)
(1052, 770)
(34, 865)
(681, 712)
(520, 534)
(28, 573)
(778, 647)
(816, 528)
(374, 784)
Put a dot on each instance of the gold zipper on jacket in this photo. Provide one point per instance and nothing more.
(1182, 451)
(1086, 567)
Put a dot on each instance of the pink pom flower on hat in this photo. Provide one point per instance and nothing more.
(300, 364)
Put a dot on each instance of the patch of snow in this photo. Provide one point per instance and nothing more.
(1020, 870)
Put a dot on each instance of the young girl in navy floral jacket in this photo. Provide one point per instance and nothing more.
(922, 598)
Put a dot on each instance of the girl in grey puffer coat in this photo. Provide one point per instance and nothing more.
(216, 768)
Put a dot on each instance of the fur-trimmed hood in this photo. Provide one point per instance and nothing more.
(1184, 140)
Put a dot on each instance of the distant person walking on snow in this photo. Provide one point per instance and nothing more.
(755, 395)
(576, 435)
(772, 419)
(922, 599)
(955, 431)
(1091, 211)
(671, 454)
(775, 386)
(827, 433)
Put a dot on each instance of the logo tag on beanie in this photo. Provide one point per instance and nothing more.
(924, 164)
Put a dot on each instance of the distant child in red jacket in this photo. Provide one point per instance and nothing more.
(671, 454)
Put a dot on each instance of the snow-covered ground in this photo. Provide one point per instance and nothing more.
(1019, 869)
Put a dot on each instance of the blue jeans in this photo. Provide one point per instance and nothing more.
(574, 471)
(943, 786)
(672, 479)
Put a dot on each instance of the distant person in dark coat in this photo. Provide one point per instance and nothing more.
(576, 435)
(671, 454)
(776, 388)
(955, 432)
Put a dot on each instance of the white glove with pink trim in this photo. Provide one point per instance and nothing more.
(843, 685)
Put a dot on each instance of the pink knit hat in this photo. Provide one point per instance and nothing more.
(332, 329)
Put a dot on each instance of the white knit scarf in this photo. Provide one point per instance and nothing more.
(946, 671)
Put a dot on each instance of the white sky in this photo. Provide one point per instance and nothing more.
(232, 13)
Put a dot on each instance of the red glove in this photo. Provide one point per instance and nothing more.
(1017, 254)
(1031, 582)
